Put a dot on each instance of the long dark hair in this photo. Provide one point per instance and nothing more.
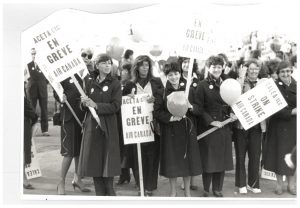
(136, 65)
(195, 65)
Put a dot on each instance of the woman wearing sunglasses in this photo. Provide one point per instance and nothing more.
(281, 136)
(87, 55)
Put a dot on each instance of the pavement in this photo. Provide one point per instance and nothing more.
(48, 153)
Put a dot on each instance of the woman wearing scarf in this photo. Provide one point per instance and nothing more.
(248, 141)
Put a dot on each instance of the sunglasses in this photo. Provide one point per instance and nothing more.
(89, 56)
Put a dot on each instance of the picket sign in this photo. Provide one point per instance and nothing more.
(189, 81)
(259, 103)
(268, 175)
(136, 117)
(33, 169)
(265, 174)
(57, 54)
(268, 100)
(196, 40)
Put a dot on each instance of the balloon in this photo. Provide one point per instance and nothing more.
(115, 49)
(275, 45)
(230, 91)
(156, 51)
(136, 35)
(246, 40)
(177, 104)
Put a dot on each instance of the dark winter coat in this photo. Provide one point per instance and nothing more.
(71, 131)
(37, 83)
(100, 153)
(215, 148)
(281, 132)
(73, 97)
(180, 155)
(30, 118)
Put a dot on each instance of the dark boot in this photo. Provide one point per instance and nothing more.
(99, 186)
(109, 189)
(124, 177)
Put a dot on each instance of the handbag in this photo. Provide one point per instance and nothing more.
(155, 127)
(56, 119)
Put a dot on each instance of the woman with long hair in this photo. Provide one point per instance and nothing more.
(143, 82)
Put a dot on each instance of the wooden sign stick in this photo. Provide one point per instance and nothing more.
(92, 110)
(140, 169)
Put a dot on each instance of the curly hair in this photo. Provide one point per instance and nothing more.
(252, 61)
(214, 60)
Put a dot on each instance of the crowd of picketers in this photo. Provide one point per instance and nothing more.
(99, 151)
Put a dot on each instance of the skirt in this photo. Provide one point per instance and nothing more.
(71, 136)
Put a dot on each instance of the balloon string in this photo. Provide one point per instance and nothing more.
(187, 119)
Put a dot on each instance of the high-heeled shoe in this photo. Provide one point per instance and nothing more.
(82, 189)
(28, 186)
(123, 180)
(60, 191)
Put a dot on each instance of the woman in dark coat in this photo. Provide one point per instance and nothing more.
(71, 133)
(184, 65)
(281, 131)
(100, 154)
(125, 150)
(30, 118)
(143, 82)
(215, 148)
(180, 155)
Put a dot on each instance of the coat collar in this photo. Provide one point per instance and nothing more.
(292, 87)
(170, 88)
(108, 79)
(212, 81)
